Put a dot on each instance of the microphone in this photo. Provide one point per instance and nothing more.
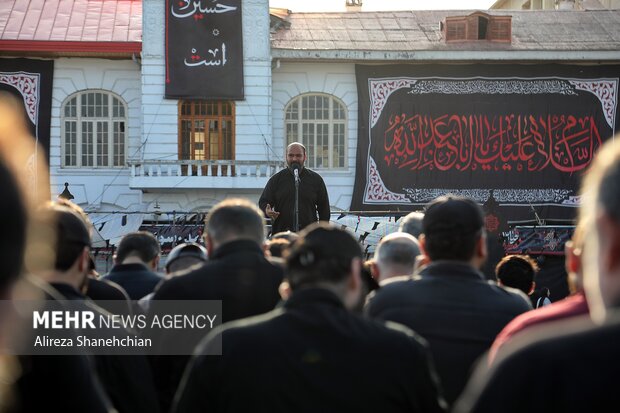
(296, 167)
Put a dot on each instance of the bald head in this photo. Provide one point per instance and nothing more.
(295, 153)
(396, 255)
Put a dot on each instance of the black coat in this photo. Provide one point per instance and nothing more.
(568, 366)
(240, 276)
(455, 309)
(136, 279)
(280, 194)
(311, 355)
(127, 379)
(58, 383)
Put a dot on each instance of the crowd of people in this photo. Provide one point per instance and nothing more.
(307, 324)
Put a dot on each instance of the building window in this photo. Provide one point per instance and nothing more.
(477, 26)
(206, 130)
(319, 122)
(94, 130)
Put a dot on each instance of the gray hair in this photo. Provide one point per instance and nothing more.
(235, 219)
(412, 223)
(398, 249)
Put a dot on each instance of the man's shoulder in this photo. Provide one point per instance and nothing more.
(312, 173)
(559, 342)
(249, 331)
(176, 287)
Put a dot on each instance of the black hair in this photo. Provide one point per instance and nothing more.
(71, 234)
(322, 254)
(141, 244)
(517, 271)
(235, 219)
(452, 246)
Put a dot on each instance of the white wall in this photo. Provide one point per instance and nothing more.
(253, 120)
(337, 79)
(93, 187)
(160, 116)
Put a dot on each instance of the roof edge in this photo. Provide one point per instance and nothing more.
(446, 55)
(59, 47)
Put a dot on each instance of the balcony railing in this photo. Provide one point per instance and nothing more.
(201, 173)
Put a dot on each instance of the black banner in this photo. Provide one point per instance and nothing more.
(204, 49)
(516, 138)
(544, 240)
(30, 81)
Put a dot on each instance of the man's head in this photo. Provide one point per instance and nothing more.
(326, 257)
(600, 206)
(412, 223)
(184, 256)
(290, 236)
(138, 247)
(72, 246)
(517, 271)
(396, 255)
(295, 153)
(277, 247)
(453, 229)
(232, 220)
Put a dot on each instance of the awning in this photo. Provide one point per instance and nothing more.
(111, 227)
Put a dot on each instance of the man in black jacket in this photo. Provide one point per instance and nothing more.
(312, 354)
(127, 379)
(570, 365)
(278, 197)
(451, 304)
(237, 273)
(135, 263)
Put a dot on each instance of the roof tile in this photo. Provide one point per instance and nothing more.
(420, 30)
(71, 20)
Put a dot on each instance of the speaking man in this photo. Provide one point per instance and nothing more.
(278, 197)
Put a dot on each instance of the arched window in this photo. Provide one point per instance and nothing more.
(94, 127)
(206, 130)
(319, 122)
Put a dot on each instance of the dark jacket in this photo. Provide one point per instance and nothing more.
(127, 379)
(568, 366)
(136, 279)
(311, 355)
(58, 383)
(455, 309)
(109, 296)
(240, 276)
(280, 194)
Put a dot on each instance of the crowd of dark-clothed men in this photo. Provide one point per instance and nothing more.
(308, 325)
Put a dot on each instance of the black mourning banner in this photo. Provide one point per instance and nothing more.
(204, 49)
(516, 137)
(30, 81)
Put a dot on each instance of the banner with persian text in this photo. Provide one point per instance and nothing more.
(204, 49)
(516, 138)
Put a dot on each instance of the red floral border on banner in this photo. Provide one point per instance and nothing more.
(28, 85)
(376, 190)
(605, 91)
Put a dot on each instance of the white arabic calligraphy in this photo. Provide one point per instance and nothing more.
(205, 62)
(219, 8)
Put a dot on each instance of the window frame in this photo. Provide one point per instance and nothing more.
(466, 28)
(330, 122)
(220, 117)
(79, 120)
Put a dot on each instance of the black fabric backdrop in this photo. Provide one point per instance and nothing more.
(31, 81)
(204, 49)
(516, 138)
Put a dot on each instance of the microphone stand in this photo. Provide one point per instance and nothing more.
(296, 216)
